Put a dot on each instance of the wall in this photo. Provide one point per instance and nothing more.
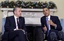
(60, 7)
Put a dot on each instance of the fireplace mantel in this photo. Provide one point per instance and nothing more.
(23, 9)
(32, 16)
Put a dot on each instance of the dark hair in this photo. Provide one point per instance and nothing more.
(15, 9)
(46, 7)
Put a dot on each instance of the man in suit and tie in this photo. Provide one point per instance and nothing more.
(50, 25)
(15, 26)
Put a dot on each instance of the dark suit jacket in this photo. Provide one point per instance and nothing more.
(54, 19)
(10, 23)
(10, 26)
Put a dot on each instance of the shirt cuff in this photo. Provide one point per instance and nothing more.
(15, 29)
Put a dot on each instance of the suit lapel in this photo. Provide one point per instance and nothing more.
(45, 21)
(51, 18)
(13, 19)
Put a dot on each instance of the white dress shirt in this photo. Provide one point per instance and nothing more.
(17, 24)
(49, 20)
(15, 17)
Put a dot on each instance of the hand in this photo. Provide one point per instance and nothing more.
(45, 28)
(22, 30)
(52, 23)
(17, 29)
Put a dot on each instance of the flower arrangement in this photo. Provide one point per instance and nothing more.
(29, 4)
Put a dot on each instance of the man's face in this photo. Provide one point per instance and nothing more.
(18, 12)
(46, 11)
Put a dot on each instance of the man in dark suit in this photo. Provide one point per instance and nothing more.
(15, 26)
(51, 25)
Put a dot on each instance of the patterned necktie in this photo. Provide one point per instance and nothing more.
(18, 22)
(48, 26)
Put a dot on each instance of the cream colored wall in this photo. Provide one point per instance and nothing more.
(59, 13)
(60, 7)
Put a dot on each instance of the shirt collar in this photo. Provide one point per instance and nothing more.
(15, 17)
(48, 17)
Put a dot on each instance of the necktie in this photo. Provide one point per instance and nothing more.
(48, 26)
(18, 22)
